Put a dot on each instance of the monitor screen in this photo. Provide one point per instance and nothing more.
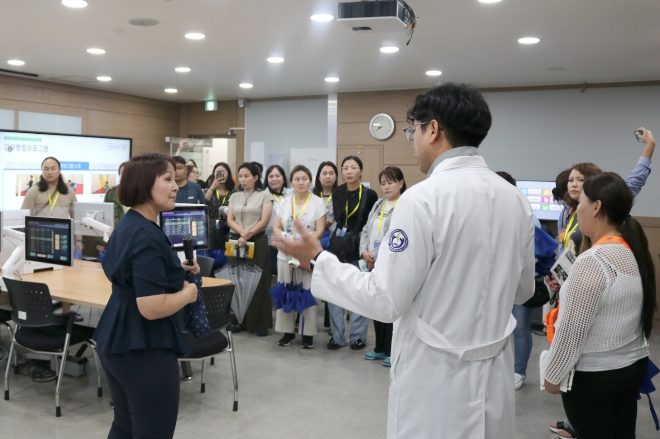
(539, 194)
(186, 221)
(49, 240)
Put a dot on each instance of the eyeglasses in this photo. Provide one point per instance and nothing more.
(350, 168)
(410, 131)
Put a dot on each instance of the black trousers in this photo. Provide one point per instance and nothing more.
(145, 389)
(603, 405)
(383, 337)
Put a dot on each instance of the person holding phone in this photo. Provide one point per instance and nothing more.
(138, 336)
(221, 188)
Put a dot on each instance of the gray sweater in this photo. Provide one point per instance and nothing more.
(364, 236)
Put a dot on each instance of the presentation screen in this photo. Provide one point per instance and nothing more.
(89, 164)
(49, 240)
(186, 221)
(539, 194)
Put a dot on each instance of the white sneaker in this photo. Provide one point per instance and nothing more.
(519, 380)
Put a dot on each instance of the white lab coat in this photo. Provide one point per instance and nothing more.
(459, 252)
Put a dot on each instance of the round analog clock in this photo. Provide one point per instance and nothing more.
(381, 126)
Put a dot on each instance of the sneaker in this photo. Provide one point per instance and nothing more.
(287, 339)
(332, 344)
(358, 344)
(519, 380)
(307, 342)
(387, 362)
(375, 356)
(261, 332)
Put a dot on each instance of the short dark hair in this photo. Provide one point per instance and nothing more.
(559, 193)
(254, 170)
(61, 185)
(140, 174)
(229, 179)
(280, 170)
(460, 110)
(354, 158)
(507, 177)
(617, 202)
(179, 160)
(300, 168)
(392, 173)
(318, 187)
(119, 168)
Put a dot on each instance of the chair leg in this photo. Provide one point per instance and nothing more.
(203, 389)
(11, 352)
(233, 370)
(99, 392)
(65, 352)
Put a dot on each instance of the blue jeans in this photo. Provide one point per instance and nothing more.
(359, 325)
(522, 337)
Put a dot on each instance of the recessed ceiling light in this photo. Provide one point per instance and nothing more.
(529, 40)
(104, 78)
(389, 49)
(245, 85)
(275, 59)
(74, 3)
(489, 1)
(171, 90)
(433, 72)
(322, 17)
(182, 69)
(16, 62)
(96, 51)
(331, 79)
(195, 36)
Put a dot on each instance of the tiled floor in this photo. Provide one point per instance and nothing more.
(283, 393)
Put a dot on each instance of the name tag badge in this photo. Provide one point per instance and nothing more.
(376, 244)
(343, 231)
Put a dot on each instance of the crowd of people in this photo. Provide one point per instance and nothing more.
(348, 247)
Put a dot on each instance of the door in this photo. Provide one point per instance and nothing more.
(372, 159)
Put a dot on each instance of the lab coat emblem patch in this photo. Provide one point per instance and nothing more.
(398, 241)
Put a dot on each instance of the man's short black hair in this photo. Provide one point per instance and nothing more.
(460, 110)
(507, 177)
(179, 160)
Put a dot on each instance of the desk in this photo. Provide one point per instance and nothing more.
(84, 284)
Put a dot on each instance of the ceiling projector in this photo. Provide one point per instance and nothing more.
(377, 16)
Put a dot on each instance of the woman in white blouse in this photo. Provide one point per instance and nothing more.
(606, 313)
(248, 215)
(309, 209)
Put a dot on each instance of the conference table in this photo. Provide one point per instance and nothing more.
(86, 284)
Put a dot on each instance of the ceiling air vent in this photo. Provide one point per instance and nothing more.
(144, 22)
(73, 79)
(361, 28)
(14, 72)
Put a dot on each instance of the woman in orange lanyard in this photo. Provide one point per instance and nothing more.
(608, 303)
(352, 203)
(221, 186)
(309, 209)
(393, 185)
(52, 197)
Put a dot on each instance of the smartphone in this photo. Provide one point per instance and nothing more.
(219, 175)
(638, 134)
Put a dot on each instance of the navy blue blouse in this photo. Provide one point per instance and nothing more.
(139, 262)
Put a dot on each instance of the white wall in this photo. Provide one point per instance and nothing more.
(49, 123)
(7, 119)
(537, 134)
(283, 125)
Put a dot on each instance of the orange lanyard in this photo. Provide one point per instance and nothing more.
(612, 240)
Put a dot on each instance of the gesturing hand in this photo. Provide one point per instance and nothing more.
(303, 249)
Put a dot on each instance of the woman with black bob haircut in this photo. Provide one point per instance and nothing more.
(606, 315)
(138, 337)
(248, 215)
(352, 202)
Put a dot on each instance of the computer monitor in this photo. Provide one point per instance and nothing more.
(101, 212)
(186, 221)
(539, 194)
(49, 240)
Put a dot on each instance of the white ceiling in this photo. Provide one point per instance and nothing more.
(594, 40)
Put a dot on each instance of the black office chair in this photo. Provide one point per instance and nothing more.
(218, 304)
(40, 331)
(205, 266)
(5, 318)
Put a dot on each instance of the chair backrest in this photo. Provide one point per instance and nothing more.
(218, 305)
(205, 266)
(31, 304)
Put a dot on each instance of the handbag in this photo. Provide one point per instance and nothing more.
(347, 247)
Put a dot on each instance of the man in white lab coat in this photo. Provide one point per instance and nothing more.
(458, 255)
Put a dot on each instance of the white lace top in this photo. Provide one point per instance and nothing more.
(599, 323)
